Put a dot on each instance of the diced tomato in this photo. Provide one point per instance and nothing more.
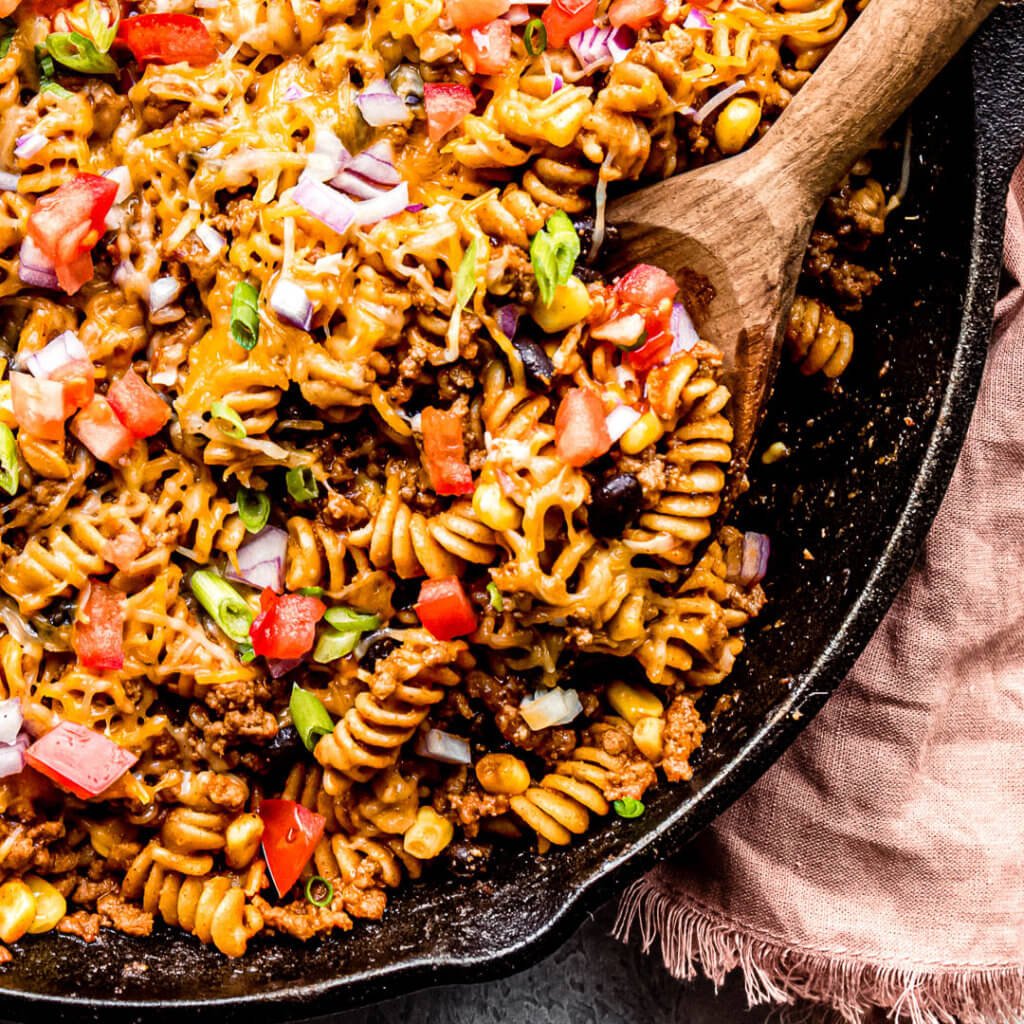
(634, 13)
(444, 608)
(581, 433)
(80, 760)
(79, 381)
(564, 18)
(467, 13)
(290, 835)
(446, 104)
(645, 285)
(99, 429)
(286, 626)
(167, 39)
(98, 634)
(487, 50)
(137, 405)
(444, 453)
(38, 406)
(67, 223)
(123, 549)
(658, 343)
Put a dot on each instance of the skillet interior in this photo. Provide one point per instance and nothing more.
(869, 467)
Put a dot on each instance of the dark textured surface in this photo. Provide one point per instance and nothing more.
(849, 510)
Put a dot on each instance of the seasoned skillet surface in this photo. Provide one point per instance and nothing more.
(869, 465)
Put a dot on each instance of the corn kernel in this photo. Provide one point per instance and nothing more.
(634, 703)
(493, 509)
(503, 774)
(569, 305)
(429, 835)
(736, 123)
(105, 835)
(50, 905)
(17, 910)
(646, 431)
(649, 737)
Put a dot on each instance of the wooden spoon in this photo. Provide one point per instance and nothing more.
(743, 224)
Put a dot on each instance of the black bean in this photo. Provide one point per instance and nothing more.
(535, 361)
(467, 859)
(614, 504)
(285, 748)
(585, 229)
(378, 648)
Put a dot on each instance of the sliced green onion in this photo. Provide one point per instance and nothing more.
(497, 601)
(465, 276)
(628, 808)
(96, 21)
(324, 901)
(333, 645)
(553, 253)
(301, 483)
(228, 421)
(348, 620)
(253, 509)
(535, 37)
(5, 42)
(8, 460)
(245, 315)
(79, 53)
(223, 603)
(246, 653)
(57, 90)
(309, 716)
(311, 591)
(45, 64)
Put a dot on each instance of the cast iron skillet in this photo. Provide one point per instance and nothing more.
(869, 467)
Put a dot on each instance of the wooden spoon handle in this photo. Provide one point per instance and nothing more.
(890, 54)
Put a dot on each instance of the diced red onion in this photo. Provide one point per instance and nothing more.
(12, 760)
(620, 419)
(355, 185)
(211, 238)
(329, 207)
(383, 206)
(261, 560)
(329, 156)
(557, 81)
(162, 292)
(291, 303)
(380, 105)
(718, 100)
(281, 666)
(28, 145)
(122, 272)
(444, 747)
(368, 173)
(294, 92)
(554, 707)
(684, 334)
(748, 564)
(64, 349)
(415, 207)
(696, 19)
(34, 268)
(10, 720)
(508, 320)
(517, 14)
(596, 47)
(123, 177)
(9, 182)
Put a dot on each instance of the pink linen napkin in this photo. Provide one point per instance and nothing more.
(881, 862)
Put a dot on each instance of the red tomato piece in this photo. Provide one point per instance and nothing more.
(286, 626)
(446, 104)
(38, 406)
(645, 285)
(137, 405)
(581, 433)
(125, 547)
(444, 453)
(290, 835)
(658, 343)
(68, 222)
(444, 609)
(99, 429)
(564, 18)
(80, 760)
(79, 380)
(98, 634)
(634, 13)
(167, 39)
(487, 50)
(467, 13)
